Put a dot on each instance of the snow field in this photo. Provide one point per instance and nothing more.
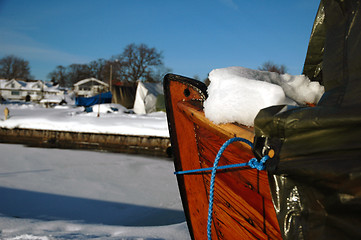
(74, 194)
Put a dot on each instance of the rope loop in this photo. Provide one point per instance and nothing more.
(259, 165)
(252, 163)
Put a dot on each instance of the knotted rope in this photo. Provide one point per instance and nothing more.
(252, 163)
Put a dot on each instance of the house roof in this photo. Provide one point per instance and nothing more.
(21, 83)
(3, 82)
(34, 85)
(90, 80)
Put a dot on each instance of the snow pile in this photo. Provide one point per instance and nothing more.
(49, 194)
(237, 94)
(108, 108)
(113, 119)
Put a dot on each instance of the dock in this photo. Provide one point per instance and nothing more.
(148, 145)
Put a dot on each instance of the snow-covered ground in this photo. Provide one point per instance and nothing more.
(72, 194)
(69, 118)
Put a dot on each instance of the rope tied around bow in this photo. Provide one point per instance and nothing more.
(252, 163)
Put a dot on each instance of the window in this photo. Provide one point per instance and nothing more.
(15, 93)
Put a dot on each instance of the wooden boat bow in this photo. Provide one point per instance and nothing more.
(242, 207)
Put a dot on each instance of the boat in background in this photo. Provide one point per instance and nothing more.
(242, 207)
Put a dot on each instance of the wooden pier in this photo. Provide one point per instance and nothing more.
(149, 145)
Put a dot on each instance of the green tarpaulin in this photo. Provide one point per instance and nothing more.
(315, 177)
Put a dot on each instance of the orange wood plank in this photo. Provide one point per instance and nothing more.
(242, 203)
(194, 196)
(238, 199)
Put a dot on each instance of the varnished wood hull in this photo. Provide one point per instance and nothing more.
(243, 207)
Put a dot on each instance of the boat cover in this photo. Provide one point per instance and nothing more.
(146, 97)
(97, 99)
(315, 175)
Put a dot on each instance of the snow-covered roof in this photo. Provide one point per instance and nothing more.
(153, 88)
(3, 82)
(52, 99)
(22, 83)
(51, 88)
(49, 84)
(34, 85)
(90, 80)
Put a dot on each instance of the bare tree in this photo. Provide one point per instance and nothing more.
(271, 67)
(59, 76)
(114, 69)
(138, 62)
(158, 73)
(67, 76)
(14, 67)
(97, 68)
(77, 72)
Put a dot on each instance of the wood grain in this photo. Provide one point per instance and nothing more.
(242, 202)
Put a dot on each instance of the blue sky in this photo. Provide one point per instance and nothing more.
(194, 36)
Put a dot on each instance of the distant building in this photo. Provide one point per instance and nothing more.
(90, 87)
(30, 90)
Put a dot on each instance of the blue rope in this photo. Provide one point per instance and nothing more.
(253, 163)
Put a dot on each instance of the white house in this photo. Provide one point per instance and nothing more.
(11, 89)
(90, 87)
(31, 91)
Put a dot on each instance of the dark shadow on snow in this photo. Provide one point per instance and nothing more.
(21, 172)
(45, 206)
